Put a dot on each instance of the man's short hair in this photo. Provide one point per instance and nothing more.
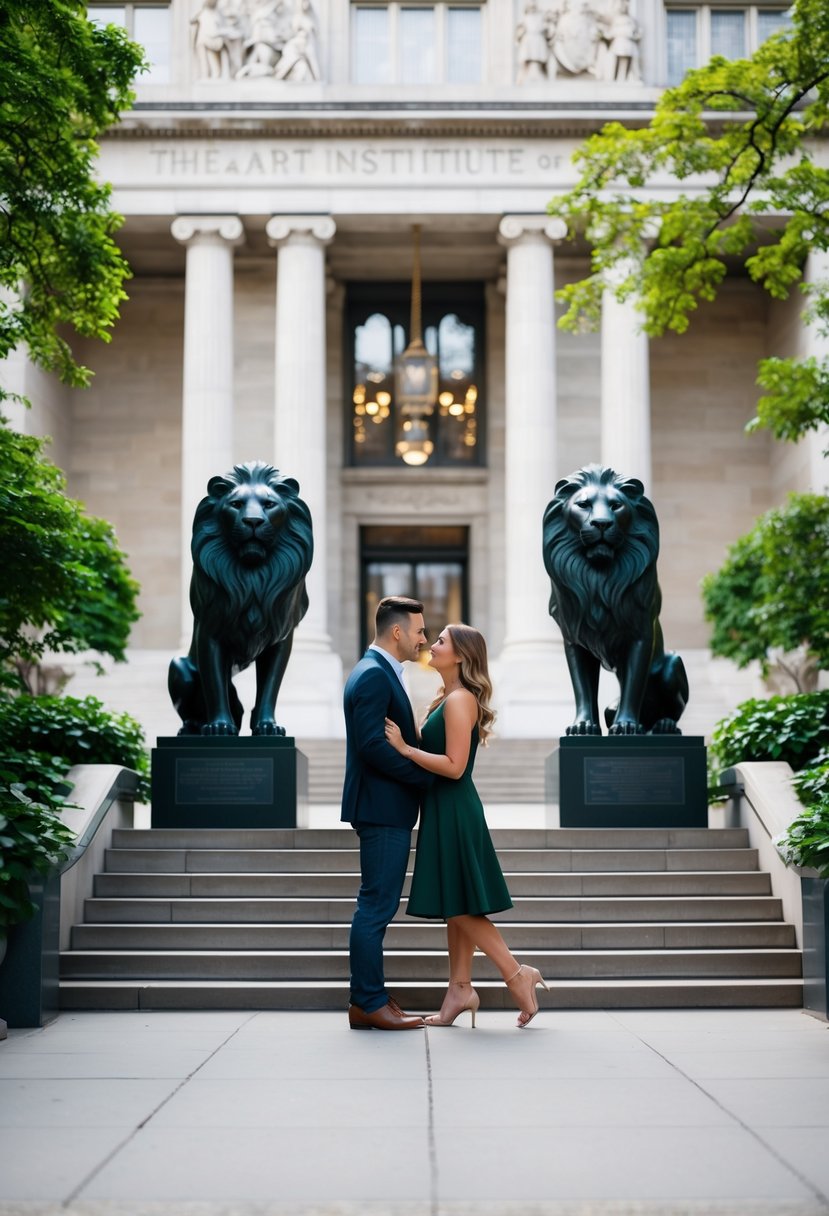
(393, 610)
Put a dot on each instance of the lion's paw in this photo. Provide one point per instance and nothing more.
(219, 729)
(626, 728)
(665, 726)
(584, 727)
(268, 728)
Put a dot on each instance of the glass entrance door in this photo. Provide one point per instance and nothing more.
(428, 564)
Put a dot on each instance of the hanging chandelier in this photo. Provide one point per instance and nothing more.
(415, 380)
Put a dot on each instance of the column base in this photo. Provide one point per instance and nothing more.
(532, 692)
(310, 703)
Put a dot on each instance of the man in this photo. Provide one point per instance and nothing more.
(381, 800)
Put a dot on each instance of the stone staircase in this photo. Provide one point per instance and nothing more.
(259, 920)
(511, 771)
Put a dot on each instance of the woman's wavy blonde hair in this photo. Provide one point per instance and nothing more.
(470, 647)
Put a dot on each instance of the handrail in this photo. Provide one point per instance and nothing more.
(95, 787)
(762, 800)
(101, 800)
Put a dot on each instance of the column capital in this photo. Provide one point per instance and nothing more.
(221, 229)
(514, 228)
(300, 229)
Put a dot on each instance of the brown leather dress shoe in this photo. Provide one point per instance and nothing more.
(395, 1008)
(387, 1017)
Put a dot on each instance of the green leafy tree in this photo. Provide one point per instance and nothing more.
(769, 602)
(62, 82)
(739, 134)
(65, 584)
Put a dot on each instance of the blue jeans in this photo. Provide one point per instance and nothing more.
(384, 855)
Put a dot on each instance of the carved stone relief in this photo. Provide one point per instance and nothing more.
(578, 38)
(235, 39)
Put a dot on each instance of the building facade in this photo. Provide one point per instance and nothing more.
(280, 160)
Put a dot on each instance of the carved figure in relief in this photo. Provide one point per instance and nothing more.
(235, 31)
(577, 37)
(600, 545)
(267, 37)
(209, 41)
(619, 59)
(252, 548)
(299, 55)
(533, 35)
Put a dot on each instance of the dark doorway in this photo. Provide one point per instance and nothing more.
(428, 563)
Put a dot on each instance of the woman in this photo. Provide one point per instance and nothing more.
(457, 877)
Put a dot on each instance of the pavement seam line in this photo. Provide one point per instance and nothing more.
(85, 1181)
(431, 1140)
(755, 1135)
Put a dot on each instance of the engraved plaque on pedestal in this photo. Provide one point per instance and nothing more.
(629, 781)
(249, 782)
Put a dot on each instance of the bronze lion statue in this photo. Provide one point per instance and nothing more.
(252, 548)
(601, 541)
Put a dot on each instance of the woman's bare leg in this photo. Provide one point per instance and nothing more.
(461, 950)
(460, 994)
(480, 931)
(520, 981)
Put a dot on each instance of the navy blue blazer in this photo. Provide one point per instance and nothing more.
(380, 786)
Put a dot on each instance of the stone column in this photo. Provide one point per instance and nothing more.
(300, 450)
(532, 657)
(207, 398)
(626, 410)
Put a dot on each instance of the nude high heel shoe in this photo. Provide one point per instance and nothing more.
(472, 1004)
(529, 978)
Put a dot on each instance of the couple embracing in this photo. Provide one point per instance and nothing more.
(391, 774)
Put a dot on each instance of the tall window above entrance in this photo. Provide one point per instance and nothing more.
(378, 321)
(416, 43)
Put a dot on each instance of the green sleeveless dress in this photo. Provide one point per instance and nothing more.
(456, 869)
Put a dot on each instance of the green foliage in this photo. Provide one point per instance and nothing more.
(65, 584)
(76, 731)
(32, 835)
(41, 738)
(62, 82)
(812, 784)
(806, 840)
(739, 134)
(791, 729)
(773, 590)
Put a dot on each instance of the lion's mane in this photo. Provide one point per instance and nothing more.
(248, 608)
(600, 607)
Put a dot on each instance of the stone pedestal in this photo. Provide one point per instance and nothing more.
(29, 974)
(250, 782)
(815, 894)
(629, 781)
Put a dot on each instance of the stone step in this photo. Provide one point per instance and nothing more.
(602, 839)
(511, 770)
(415, 935)
(340, 886)
(268, 911)
(302, 965)
(582, 994)
(619, 918)
(308, 861)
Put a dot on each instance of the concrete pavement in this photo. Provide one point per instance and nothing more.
(583, 1114)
